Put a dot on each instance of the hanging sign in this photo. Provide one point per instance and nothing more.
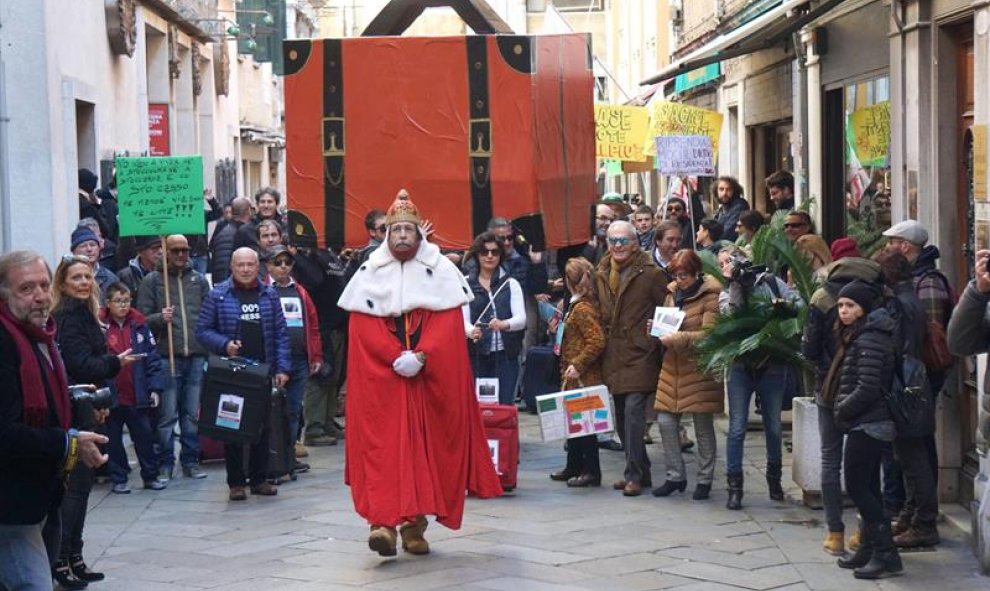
(619, 131)
(871, 133)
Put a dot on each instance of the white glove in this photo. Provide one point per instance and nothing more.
(407, 365)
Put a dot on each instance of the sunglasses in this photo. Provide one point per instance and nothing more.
(75, 258)
(489, 252)
(381, 228)
(795, 225)
(282, 263)
(179, 250)
(505, 238)
(619, 240)
(675, 208)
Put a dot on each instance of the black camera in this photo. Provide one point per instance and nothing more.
(744, 271)
(85, 403)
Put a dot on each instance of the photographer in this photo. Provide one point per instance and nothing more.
(37, 447)
(87, 361)
(768, 377)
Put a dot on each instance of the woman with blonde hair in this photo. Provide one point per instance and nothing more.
(682, 387)
(83, 346)
(580, 363)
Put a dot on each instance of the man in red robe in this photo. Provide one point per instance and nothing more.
(415, 440)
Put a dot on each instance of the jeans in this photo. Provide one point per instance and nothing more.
(24, 566)
(582, 456)
(832, 440)
(139, 428)
(294, 392)
(73, 510)
(862, 463)
(320, 397)
(921, 503)
(770, 382)
(630, 424)
(499, 365)
(257, 461)
(704, 432)
(180, 404)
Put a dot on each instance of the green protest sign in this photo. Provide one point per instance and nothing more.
(160, 195)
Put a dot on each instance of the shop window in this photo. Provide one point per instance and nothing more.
(866, 140)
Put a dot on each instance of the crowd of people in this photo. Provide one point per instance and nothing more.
(321, 319)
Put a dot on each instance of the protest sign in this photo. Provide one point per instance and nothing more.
(575, 413)
(667, 118)
(871, 133)
(619, 132)
(161, 195)
(685, 154)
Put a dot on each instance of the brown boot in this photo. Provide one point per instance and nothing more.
(382, 540)
(413, 541)
(917, 536)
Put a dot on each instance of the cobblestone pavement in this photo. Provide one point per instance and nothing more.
(543, 537)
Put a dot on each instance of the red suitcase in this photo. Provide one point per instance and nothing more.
(502, 431)
(210, 450)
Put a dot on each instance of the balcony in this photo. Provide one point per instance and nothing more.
(186, 14)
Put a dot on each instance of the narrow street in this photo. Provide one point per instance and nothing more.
(543, 537)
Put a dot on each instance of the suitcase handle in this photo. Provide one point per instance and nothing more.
(239, 363)
(399, 15)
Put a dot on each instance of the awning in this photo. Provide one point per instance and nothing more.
(764, 31)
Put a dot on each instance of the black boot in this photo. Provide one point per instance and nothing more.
(773, 481)
(863, 554)
(734, 501)
(885, 561)
(82, 572)
(64, 576)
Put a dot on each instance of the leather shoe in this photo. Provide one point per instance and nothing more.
(264, 489)
(237, 493)
(619, 484)
(632, 489)
(669, 487)
(584, 480)
(562, 475)
(611, 445)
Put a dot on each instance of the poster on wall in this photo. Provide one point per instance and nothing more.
(158, 138)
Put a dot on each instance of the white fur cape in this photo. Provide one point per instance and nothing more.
(385, 287)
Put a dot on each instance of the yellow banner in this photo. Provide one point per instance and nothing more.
(619, 131)
(871, 133)
(669, 118)
(980, 163)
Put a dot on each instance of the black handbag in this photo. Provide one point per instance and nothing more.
(910, 400)
(235, 399)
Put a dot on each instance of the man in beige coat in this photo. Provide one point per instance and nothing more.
(629, 288)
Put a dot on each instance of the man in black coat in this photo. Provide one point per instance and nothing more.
(37, 447)
(222, 243)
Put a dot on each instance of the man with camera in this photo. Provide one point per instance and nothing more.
(37, 446)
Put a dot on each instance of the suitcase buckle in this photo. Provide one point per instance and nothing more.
(480, 141)
(333, 136)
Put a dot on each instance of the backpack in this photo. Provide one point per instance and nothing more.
(910, 400)
(935, 348)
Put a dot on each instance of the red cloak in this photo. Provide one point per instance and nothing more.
(414, 445)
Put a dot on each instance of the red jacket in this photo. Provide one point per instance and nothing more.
(314, 345)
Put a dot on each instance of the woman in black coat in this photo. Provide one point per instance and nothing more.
(857, 383)
(83, 346)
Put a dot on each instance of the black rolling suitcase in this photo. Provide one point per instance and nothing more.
(281, 453)
(235, 399)
(541, 375)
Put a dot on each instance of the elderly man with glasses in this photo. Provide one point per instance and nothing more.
(180, 400)
(630, 287)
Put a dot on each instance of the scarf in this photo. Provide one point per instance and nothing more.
(33, 386)
(615, 271)
(830, 386)
(682, 295)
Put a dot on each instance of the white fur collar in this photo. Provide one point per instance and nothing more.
(385, 287)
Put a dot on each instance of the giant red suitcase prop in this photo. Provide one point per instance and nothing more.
(502, 431)
(473, 127)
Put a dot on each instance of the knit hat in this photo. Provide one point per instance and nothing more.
(844, 247)
(863, 293)
(87, 180)
(83, 234)
(402, 210)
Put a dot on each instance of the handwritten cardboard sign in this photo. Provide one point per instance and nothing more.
(160, 195)
(619, 132)
(667, 118)
(871, 133)
(685, 154)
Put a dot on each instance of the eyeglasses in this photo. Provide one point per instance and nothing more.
(489, 252)
(126, 302)
(179, 250)
(507, 238)
(619, 240)
(681, 276)
(795, 225)
(282, 263)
